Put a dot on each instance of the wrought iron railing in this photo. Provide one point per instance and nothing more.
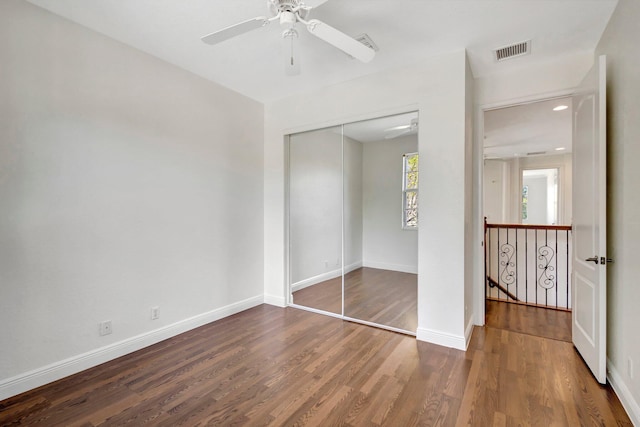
(528, 264)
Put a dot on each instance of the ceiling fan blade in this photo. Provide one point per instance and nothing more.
(340, 40)
(235, 30)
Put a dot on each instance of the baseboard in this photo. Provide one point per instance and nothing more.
(624, 394)
(440, 338)
(275, 300)
(58, 370)
(349, 268)
(324, 276)
(413, 269)
(315, 280)
(467, 333)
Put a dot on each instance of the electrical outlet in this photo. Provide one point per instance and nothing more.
(630, 367)
(155, 313)
(326, 264)
(105, 327)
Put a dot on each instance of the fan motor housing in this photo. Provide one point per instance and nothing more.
(284, 5)
(287, 19)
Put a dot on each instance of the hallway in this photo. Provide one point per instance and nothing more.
(530, 320)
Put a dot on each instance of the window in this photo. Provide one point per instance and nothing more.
(410, 191)
(525, 202)
(540, 196)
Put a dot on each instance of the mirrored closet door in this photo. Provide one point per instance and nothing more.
(382, 287)
(315, 219)
(353, 221)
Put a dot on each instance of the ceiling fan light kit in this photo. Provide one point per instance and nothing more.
(289, 13)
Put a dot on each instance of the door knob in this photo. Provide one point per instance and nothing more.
(594, 259)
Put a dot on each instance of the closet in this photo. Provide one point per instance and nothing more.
(352, 221)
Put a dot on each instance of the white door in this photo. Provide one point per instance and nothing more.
(589, 278)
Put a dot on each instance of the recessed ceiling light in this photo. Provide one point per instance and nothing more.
(560, 148)
(560, 108)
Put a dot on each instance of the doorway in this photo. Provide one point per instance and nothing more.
(527, 208)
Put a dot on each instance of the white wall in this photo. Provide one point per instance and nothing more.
(471, 197)
(436, 88)
(126, 183)
(317, 186)
(386, 244)
(315, 198)
(503, 191)
(619, 43)
(496, 190)
(353, 212)
(560, 74)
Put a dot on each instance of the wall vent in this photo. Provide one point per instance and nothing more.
(513, 51)
(536, 153)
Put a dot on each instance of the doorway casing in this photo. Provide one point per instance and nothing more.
(478, 191)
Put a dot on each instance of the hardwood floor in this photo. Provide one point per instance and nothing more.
(381, 296)
(325, 296)
(541, 322)
(274, 366)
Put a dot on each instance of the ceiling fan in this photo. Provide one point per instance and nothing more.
(289, 13)
(397, 131)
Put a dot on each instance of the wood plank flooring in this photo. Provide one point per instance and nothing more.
(381, 296)
(541, 322)
(289, 367)
(325, 296)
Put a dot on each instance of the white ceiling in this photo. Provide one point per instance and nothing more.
(406, 31)
(376, 130)
(381, 128)
(530, 128)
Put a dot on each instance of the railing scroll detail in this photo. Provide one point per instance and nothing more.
(528, 264)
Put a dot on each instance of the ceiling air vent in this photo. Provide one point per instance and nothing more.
(513, 51)
(536, 153)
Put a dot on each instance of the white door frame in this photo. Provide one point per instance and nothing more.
(478, 163)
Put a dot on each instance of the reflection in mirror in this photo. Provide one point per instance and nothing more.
(315, 219)
(380, 223)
